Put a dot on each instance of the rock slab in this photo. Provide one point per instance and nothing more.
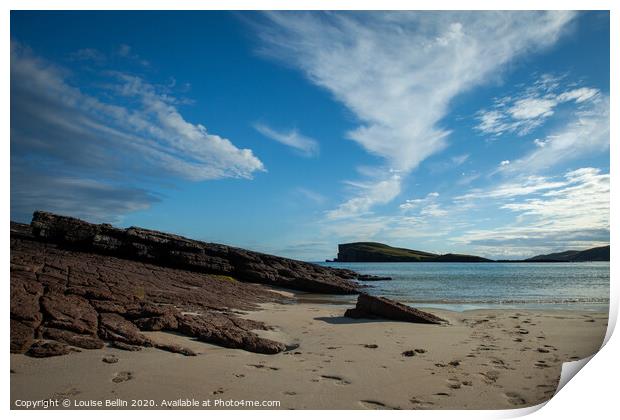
(379, 307)
(178, 252)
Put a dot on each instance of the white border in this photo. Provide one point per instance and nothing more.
(593, 394)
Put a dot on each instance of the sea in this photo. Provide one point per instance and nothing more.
(582, 286)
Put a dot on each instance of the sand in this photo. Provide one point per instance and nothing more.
(485, 359)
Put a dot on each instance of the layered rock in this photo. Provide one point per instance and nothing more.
(63, 300)
(379, 307)
(176, 251)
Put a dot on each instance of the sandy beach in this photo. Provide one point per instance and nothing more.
(484, 359)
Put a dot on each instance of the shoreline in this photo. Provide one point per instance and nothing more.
(485, 359)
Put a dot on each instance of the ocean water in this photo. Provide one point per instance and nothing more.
(464, 286)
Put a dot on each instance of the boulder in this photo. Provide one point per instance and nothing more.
(379, 307)
(69, 312)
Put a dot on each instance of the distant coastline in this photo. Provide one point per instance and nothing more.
(377, 252)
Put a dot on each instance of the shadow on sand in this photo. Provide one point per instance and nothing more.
(343, 320)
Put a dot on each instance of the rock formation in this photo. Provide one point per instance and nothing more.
(379, 307)
(63, 299)
(176, 251)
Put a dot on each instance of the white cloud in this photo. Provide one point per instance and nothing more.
(75, 135)
(523, 186)
(530, 108)
(587, 134)
(368, 194)
(306, 145)
(460, 159)
(550, 214)
(504, 163)
(398, 72)
(418, 202)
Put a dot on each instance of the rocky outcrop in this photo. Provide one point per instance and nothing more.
(63, 300)
(377, 252)
(176, 251)
(379, 307)
(370, 277)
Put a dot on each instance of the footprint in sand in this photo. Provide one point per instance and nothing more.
(514, 398)
(261, 366)
(71, 392)
(454, 383)
(374, 405)
(289, 393)
(122, 377)
(337, 379)
(542, 364)
(418, 404)
(218, 391)
(442, 394)
(490, 377)
(371, 346)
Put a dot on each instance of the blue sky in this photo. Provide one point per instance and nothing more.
(288, 133)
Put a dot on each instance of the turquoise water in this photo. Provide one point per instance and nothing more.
(462, 286)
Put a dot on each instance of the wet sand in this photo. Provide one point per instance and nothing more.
(484, 359)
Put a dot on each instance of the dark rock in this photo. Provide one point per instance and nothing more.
(69, 312)
(369, 277)
(110, 359)
(409, 353)
(114, 327)
(124, 346)
(176, 251)
(379, 307)
(221, 330)
(22, 336)
(84, 299)
(49, 349)
(69, 337)
(25, 295)
(173, 348)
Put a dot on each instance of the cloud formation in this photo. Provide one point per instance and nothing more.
(293, 138)
(551, 213)
(137, 134)
(399, 72)
(529, 109)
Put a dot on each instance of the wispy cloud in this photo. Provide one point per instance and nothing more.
(529, 109)
(368, 194)
(56, 126)
(311, 195)
(292, 138)
(551, 213)
(398, 72)
(587, 133)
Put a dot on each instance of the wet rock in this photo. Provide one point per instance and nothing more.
(379, 307)
(369, 277)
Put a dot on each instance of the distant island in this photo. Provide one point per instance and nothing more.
(378, 252)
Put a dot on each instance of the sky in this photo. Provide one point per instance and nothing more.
(484, 133)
